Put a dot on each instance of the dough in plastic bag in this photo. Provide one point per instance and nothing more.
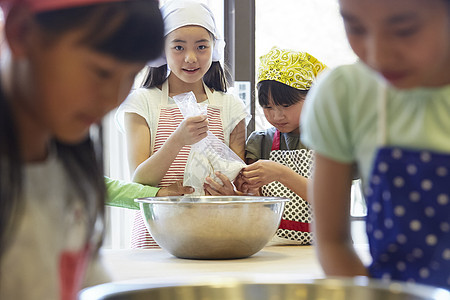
(208, 155)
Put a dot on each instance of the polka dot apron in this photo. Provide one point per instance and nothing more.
(408, 213)
(297, 216)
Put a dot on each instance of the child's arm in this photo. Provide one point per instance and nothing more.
(263, 172)
(149, 168)
(330, 195)
(122, 193)
(237, 139)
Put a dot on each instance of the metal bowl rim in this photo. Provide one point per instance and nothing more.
(176, 200)
(116, 288)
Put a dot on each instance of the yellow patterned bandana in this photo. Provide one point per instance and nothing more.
(293, 68)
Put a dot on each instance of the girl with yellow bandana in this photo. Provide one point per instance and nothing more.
(279, 162)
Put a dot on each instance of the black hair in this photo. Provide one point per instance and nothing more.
(215, 78)
(280, 93)
(130, 31)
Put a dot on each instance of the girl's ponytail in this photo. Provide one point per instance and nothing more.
(155, 76)
(216, 78)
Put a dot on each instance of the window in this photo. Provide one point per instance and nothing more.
(312, 26)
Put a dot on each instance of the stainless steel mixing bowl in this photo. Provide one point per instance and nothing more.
(212, 227)
(319, 289)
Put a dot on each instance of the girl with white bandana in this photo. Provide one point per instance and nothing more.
(158, 139)
(64, 65)
(389, 114)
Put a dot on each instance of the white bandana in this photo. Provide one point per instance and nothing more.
(179, 13)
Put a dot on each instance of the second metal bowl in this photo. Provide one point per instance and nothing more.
(358, 288)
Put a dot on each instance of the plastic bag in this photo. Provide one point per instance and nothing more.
(208, 155)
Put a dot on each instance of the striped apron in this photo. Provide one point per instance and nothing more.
(170, 118)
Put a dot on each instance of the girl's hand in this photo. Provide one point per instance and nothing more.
(261, 173)
(214, 188)
(243, 188)
(191, 130)
(175, 189)
(240, 183)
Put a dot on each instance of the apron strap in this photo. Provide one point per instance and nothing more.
(276, 141)
(165, 93)
(382, 114)
(209, 94)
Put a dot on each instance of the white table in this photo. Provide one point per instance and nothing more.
(143, 266)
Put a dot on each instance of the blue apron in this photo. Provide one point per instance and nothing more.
(408, 213)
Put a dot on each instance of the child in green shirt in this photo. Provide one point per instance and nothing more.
(122, 193)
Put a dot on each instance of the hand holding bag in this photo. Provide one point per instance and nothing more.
(208, 155)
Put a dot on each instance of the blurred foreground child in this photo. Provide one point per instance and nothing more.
(64, 65)
(390, 115)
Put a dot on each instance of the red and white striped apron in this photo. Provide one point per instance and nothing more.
(170, 118)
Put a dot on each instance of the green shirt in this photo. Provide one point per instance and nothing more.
(339, 118)
(122, 193)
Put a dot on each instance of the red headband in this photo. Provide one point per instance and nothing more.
(47, 5)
